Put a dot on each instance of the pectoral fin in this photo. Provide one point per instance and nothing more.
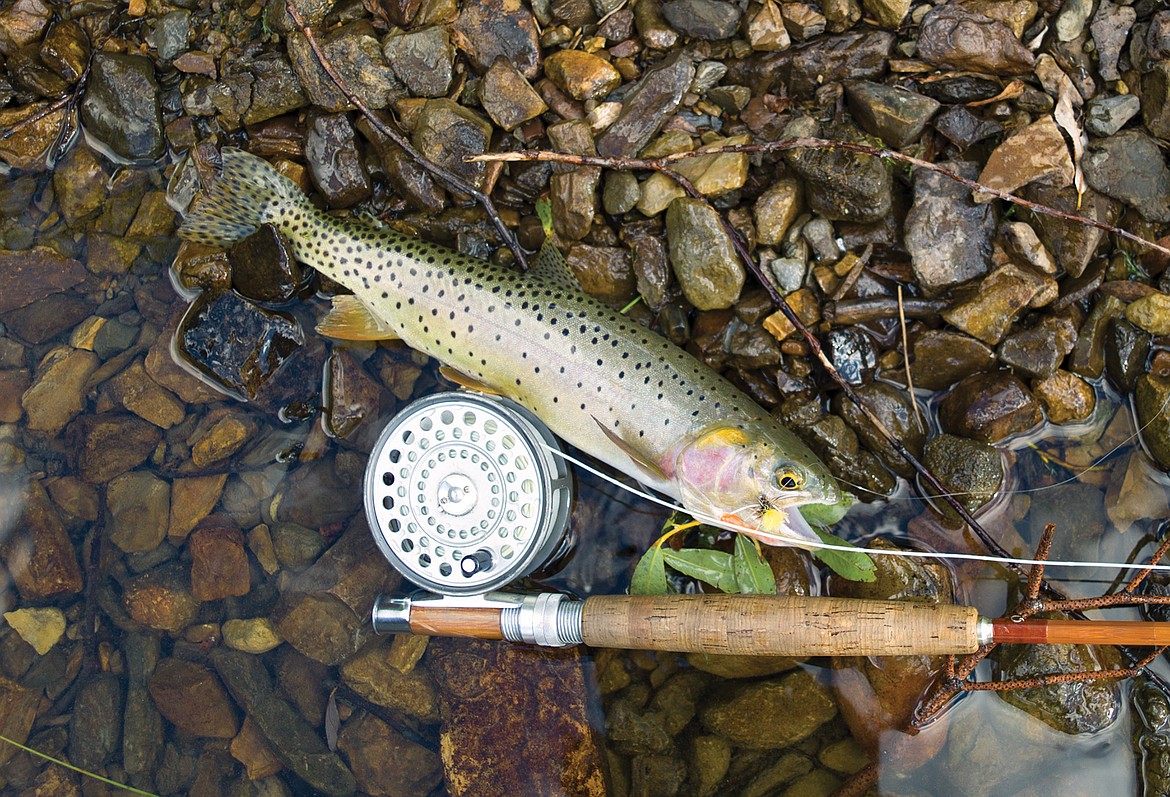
(647, 466)
(463, 380)
(350, 319)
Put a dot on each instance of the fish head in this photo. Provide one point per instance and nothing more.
(757, 477)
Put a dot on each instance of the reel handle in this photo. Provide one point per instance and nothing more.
(778, 625)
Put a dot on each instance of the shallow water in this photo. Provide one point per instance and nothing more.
(981, 745)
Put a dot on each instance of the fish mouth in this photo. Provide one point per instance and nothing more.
(779, 525)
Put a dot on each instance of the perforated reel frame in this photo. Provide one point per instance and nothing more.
(462, 498)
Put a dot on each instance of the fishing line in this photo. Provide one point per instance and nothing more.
(824, 546)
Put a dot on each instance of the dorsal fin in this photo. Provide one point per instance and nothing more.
(551, 266)
(647, 466)
(350, 319)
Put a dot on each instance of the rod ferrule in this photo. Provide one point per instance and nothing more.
(984, 632)
(391, 615)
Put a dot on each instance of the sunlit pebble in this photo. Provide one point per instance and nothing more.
(604, 115)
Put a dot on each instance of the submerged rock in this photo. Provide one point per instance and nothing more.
(121, 106)
(768, 714)
(989, 407)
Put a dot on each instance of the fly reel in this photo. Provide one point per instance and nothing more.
(462, 495)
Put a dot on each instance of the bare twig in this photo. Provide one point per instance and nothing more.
(448, 178)
(906, 362)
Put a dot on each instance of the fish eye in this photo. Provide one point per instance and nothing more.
(789, 479)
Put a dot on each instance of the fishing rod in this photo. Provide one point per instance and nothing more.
(468, 493)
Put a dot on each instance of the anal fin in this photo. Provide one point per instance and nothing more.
(350, 319)
(463, 380)
(647, 466)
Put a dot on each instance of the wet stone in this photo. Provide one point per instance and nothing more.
(56, 395)
(1106, 115)
(139, 506)
(172, 34)
(21, 23)
(384, 762)
(40, 557)
(888, 13)
(488, 29)
(1037, 153)
(574, 193)
(1126, 350)
(508, 97)
(26, 150)
(988, 312)
(35, 274)
(893, 407)
(895, 115)
(296, 546)
(13, 383)
(775, 211)
(357, 57)
(1150, 398)
(161, 599)
(964, 253)
(80, 182)
(852, 56)
(971, 470)
(647, 106)
(1020, 241)
(1071, 708)
(297, 744)
(236, 343)
(1072, 245)
(446, 132)
(963, 128)
(1065, 397)
(335, 164)
(768, 714)
(765, 30)
(651, 263)
(853, 354)
(422, 59)
(704, 263)
(1150, 313)
(604, 272)
(652, 26)
(42, 628)
(254, 635)
(374, 676)
(952, 37)
(275, 89)
(139, 394)
(1129, 167)
(989, 407)
(1037, 351)
(621, 192)
(263, 268)
(840, 185)
(193, 699)
(354, 395)
(121, 106)
(1156, 100)
(95, 728)
(582, 75)
(252, 750)
(219, 564)
(702, 19)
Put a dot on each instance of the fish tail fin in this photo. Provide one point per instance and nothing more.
(247, 193)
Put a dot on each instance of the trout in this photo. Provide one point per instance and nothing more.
(600, 381)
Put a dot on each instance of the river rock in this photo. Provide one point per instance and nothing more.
(95, 727)
(56, 395)
(765, 30)
(988, 312)
(1156, 100)
(1126, 350)
(1128, 167)
(374, 675)
(1072, 244)
(604, 272)
(706, 266)
(358, 60)
(895, 115)
(219, 565)
(121, 106)
(647, 106)
(1088, 355)
(954, 38)
(831, 59)
(775, 211)
(1106, 115)
(385, 763)
(1036, 153)
(702, 19)
(968, 469)
(161, 599)
(488, 29)
(252, 750)
(840, 185)
(583, 75)
(446, 132)
(888, 13)
(254, 635)
(335, 164)
(768, 714)
(141, 395)
(989, 407)
(1037, 351)
(423, 60)
(964, 253)
(262, 266)
(894, 408)
(297, 744)
(37, 125)
(39, 555)
(1065, 397)
(1151, 396)
(193, 699)
(40, 627)
(508, 97)
(142, 728)
(139, 507)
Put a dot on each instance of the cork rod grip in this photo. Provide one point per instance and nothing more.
(777, 625)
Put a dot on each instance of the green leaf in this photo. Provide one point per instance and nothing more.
(752, 573)
(713, 567)
(544, 212)
(650, 574)
(853, 565)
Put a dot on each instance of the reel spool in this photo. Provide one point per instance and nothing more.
(462, 497)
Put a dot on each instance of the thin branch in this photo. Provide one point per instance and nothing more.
(448, 178)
